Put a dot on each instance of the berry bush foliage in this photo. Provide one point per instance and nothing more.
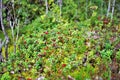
(62, 51)
(60, 40)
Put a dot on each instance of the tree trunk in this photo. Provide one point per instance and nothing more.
(113, 6)
(3, 29)
(108, 8)
(14, 24)
(1, 45)
(60, 4)
(1, 57)
(12, 30)
(46, 3)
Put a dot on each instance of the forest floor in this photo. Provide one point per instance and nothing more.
(65, 52)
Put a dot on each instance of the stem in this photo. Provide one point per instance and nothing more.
(113, 6)
(108, 8)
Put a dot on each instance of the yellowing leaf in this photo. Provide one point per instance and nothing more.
(94, 14)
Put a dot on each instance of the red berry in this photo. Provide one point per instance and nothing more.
(105, 21)
(29, 79)
(63, 65)
(46, 32)
(24, 42)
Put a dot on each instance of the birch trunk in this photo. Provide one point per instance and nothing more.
(113, 6)
(108, 8)
(14, 24)
(46, 3)
(60, 4)
(3, 29)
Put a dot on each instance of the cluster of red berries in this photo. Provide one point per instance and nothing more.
(105, 20)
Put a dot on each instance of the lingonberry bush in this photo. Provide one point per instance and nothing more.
(59, 40)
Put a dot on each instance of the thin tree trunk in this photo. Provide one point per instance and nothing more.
(3, 29)
(12, 26)
(113, 6)
(15, 43)
(60, 4)
(108, 8)
(12, 30)
(17, 34)
(1, 45)
(46, 3)
(86, 9)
